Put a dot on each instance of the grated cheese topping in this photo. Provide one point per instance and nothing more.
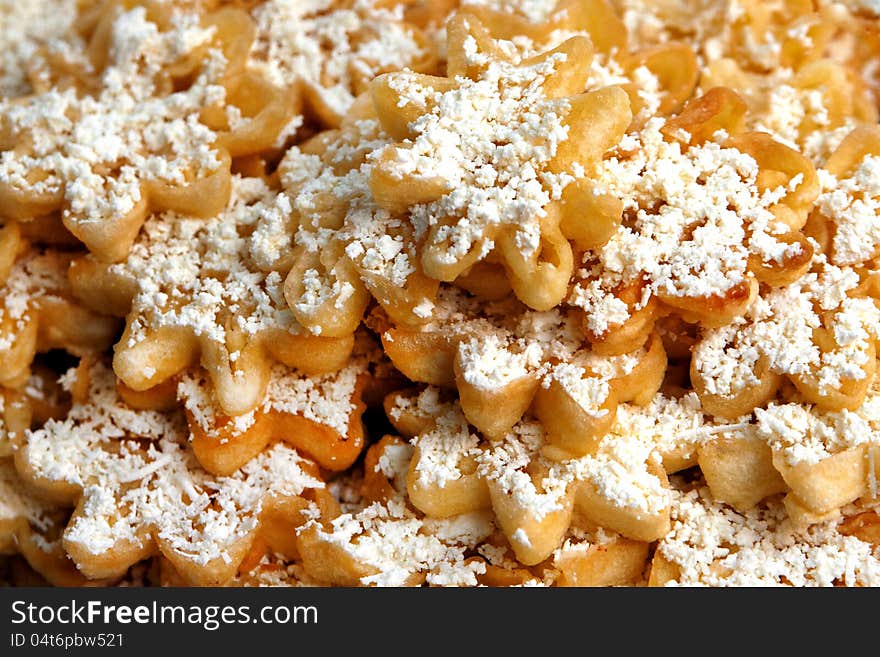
(334, 50)
(779, 328)
(853, 206)
(590, 393)
(788, 106)
(16, 503)
(490, 140)
(447, 445)
(335, 213)
(673, 425)
(134, 488)
(697, 216)
(487, 363)
(396, 545)
(34, 276)
(713, 545)
(806, 435)
(501, 342)
(427, 404)
(694, 220)
(869, 6)
(619, 471)
(203, 276)
(651, 22)
(34, 34)
(536, 11)
(394, 462)
(326, 400)
(622, 470)
(96, 151)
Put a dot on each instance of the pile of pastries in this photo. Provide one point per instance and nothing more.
(443, 293)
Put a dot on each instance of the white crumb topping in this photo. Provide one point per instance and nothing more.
(95, 151)
(697, 217)
(805, 435)
(395, 545)
(497, 555)
(426, 404)
(334, 50)
(345, 489)
(445, 446)
(794, 114)
(34, 276)
(487, 363)
(619, 471)
(505, 462)
(536, 11)
(779, 327)
(134, 487)
(16, 503)
(790, 106)
(602, 310)
(713, 545)
(503, 341)
(108, 416)
(335, 212)
(273, 571)
(869, 6)
(200, 274)
(609, 367)
(590, 392)
(704, 23)
(41, 387)
(32, 33)
(326, 399)
(424, 309)
(852, 204)
(521, 537)
(394, 462)
(671, 424)
(490, 140)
